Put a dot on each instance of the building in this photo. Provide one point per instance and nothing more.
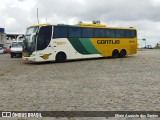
(2, 37)
(9, 39)
(6, 39)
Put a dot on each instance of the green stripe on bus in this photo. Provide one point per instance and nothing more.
(78, 46)
(88, 45)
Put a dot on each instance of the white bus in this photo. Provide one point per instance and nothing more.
(59, 43)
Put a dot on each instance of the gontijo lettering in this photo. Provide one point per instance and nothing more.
(108, 41)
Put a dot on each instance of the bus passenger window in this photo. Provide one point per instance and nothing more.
(100, 33)
(120, 33)
(110, 33)
(87, 33)
(133, 34)
(127, 33)
(60, 32)
(74, 32)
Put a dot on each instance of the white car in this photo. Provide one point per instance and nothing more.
(1, 50)
(16, 48)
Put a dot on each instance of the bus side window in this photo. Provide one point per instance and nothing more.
(60, 32)
(127, 33)
(87, 33)
(99, 33)
(133, 33)
(74, 32)
(110, 33)
(120, 33)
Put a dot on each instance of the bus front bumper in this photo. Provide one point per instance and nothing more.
(29, 58)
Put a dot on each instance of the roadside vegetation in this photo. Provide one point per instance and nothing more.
(157, 46)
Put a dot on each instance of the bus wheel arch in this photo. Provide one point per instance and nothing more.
(61, 57)
(122, 53)
(115, 53)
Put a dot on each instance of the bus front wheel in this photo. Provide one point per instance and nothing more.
(115, 54)
(60, 57)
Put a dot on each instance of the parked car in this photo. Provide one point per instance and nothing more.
(1, 50)
(16, 49)
(148, 47)
(6, 50)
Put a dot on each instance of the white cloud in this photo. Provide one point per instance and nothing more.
(10, 22)
(156, 3)
(16, 15)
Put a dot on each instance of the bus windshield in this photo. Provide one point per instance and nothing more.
(30, 40)
(31, 30)
(17, 44)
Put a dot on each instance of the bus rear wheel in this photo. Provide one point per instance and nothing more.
(122, 54)
(115, 54)
(61, 57)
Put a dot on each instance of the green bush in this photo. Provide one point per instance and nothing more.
(157, 47)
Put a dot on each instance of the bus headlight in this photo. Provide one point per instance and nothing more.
(32, 55)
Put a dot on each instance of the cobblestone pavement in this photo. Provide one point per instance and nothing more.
(131, 83)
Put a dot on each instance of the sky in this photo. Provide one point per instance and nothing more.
(144, 15)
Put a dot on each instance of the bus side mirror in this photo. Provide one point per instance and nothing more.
(36, 34)
(10, 47)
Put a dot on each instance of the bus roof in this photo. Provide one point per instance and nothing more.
(84, 25)
(102, 26)
(39, 25)
(92, 25)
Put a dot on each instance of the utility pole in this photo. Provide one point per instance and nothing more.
(37, 16)
(145, 42)
(144, 39)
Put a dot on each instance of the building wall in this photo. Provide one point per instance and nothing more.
(6, 39)
(2, 37)
(8, 42)
(9, 39)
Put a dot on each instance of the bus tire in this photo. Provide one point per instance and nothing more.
(122, 54)
(115, 53)
(61, 57)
